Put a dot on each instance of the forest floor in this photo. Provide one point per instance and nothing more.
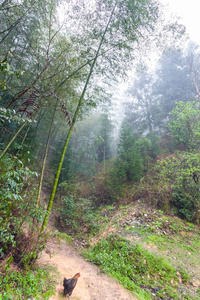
(92, 285)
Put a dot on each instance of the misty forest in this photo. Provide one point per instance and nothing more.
(99, 150)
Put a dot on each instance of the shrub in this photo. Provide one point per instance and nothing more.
(183, 201)
(18, 207)
(177, 171)
(184, 124)
(75, 212)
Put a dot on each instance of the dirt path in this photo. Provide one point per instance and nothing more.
(92, 285)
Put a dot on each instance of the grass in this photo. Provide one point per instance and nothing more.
(63, 236)
(27, 284)
(176, 240)
(162, 241)
(147, 275)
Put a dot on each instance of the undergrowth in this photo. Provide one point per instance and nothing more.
(27, 284)
(63, 236)
(145, 274)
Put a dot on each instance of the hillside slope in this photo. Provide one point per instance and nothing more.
(165, 261)
(156, 238)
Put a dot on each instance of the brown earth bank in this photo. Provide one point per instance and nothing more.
(92, 285)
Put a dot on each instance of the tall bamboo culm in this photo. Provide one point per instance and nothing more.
(45, 222)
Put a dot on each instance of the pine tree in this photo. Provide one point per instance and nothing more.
(128, 166)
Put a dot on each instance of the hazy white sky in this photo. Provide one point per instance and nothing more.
(189, 11)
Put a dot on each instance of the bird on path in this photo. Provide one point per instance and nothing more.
(69, 284)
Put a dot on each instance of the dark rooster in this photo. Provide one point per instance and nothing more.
(69, 284)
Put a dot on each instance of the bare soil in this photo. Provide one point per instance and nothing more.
(92, 285)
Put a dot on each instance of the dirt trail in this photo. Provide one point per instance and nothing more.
(92, 285)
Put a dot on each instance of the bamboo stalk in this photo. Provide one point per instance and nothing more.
(24, 138)
(45, 222)
(12, 140)
(45, 157)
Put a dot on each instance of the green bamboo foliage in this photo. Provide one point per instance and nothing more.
(45, 222)
(37, 110)
(20, 129)
(12, 140)
(45, 156)
(24, 138)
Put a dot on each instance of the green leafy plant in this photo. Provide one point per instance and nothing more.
(29, 284)
(184, 124)
(184, 204)
(6, 69)
(76, 212)
(18, 207)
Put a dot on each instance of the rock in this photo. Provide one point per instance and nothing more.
(196, 283)
(157, 289)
